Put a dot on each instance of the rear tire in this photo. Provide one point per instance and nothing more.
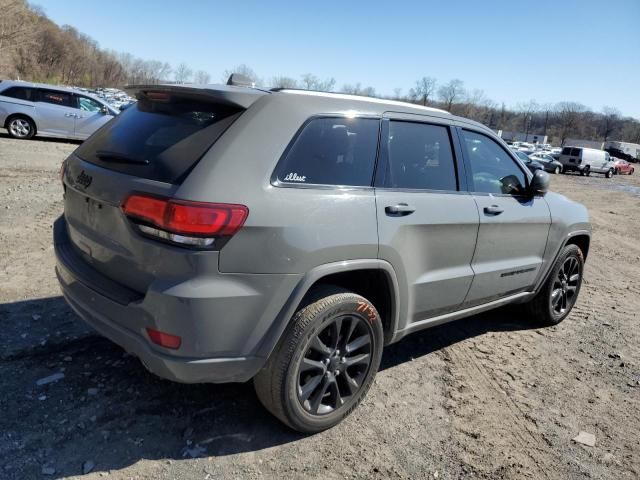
(558, 295)
(556, 170)
(325, 362)
(631, 172)
(21, 127)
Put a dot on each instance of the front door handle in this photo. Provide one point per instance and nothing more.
(399, 210)
(493, 210)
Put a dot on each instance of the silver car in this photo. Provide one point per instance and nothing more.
(28, 109)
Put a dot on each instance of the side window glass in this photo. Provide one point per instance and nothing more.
(419, 156)
(21, 93)
(55, 98)
(88, 105)
(332, 151)
(492, 169)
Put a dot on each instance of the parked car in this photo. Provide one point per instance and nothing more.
(531, 164)
(586, 160)
(547, 161)
(622, 167)
(28, 109)
(219, 245)
(555, 153)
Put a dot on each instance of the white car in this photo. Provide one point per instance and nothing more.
(586, 160)
(28, 109)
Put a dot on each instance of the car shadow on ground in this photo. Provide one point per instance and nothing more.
(110, 411)
(4, 134)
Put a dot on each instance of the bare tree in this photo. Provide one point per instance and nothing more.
(527, 110)
(397, 93)
(182, 73)
(358, 89)
(423, 90)
(202, 77)
(451, 92)
(284, 82)
(610, 120)
(311, 82)
(568, 114)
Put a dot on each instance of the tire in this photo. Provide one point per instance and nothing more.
(308, 383)
(586, 171)
(609, 173)
(21, 127)
(631, 172)
(556, 298)
(556, 170)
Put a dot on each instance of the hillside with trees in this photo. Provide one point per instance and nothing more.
(34, 48)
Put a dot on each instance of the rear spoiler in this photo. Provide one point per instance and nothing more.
(229, 95)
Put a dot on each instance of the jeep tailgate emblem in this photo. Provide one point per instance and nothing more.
(84, 180)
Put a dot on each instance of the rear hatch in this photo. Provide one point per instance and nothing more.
(147, 150)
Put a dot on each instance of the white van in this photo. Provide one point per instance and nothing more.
(586, 160)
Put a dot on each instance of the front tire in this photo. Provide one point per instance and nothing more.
(609, 173)
(558, 295)
(556, 170)
(631, 172)
(21, 127)
(324, 364)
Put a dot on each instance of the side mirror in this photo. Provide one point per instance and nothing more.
(105, 111)
(539, 183)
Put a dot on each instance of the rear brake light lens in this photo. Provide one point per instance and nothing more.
(184, 222)
(164, 339)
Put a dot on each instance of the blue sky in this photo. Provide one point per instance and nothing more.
(586, 51)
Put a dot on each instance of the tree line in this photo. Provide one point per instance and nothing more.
(34, 48)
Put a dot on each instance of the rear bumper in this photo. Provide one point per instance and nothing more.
(220, 332)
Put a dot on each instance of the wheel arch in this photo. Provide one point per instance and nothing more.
(374, 279)
(22, 115)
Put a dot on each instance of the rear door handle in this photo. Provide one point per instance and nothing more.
(493, 210)
(399, 210)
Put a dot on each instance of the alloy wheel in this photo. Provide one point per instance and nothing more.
(19, 128)
(565, 286)
(335, 365)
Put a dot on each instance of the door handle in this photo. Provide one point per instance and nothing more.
(399, 210)
(69, 114)
(493, 210)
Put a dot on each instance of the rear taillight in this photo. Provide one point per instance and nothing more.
(164, 339)
(182, 222)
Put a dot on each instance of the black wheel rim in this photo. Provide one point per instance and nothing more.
(565, 287)
(335, 365)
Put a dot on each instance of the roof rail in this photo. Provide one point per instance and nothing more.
(239, 80)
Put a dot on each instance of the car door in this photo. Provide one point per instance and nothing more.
(427, 223)
(89, 116)
(55, 113)
(513, 225)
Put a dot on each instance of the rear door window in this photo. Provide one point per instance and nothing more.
(158, 139)
(331, 151)
(21, 93)
(575, 152)
(419, 156)
(54, 97)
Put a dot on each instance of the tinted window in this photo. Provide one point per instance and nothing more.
(492, 169)
(332, 151)
(566, 151)
(22, 93)
(88, 105)
(56, 98)
(158, 140)
(419, 156)
(575, 152)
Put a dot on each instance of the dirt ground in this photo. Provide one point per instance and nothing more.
(490, 396)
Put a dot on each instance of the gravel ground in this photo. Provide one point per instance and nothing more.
(486, 397)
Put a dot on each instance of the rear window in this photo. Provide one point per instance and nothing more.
(332, 151)
(55, 97)
(158, 140)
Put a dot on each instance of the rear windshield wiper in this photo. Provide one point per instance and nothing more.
(108, 156)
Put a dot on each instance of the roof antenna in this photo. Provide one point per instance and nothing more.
(239, 80)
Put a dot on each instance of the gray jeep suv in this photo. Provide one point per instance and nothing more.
(225, 233)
